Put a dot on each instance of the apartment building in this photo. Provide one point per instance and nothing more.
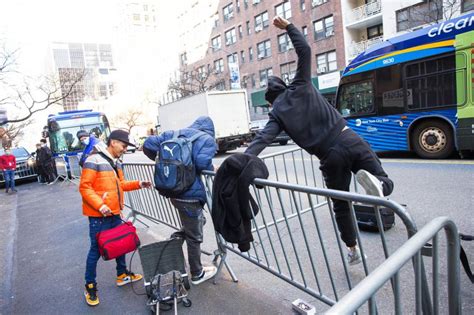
(242, 36)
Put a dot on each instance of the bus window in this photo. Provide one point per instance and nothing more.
(431, 83)
(389, 92)
(356, 99)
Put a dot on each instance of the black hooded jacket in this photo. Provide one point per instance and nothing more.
(299, 108)
(231, 199)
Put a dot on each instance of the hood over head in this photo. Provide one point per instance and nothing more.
(276, 86)
(205, 124)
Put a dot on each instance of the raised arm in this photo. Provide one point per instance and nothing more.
(303, 50)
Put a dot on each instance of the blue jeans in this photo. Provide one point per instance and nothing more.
(9, 176)
(96, 225)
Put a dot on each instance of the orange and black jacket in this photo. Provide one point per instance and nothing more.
(102, 185)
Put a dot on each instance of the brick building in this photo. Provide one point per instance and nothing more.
(243, 34)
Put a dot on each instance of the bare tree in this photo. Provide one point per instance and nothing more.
(32, 95)
(13, 133)
(129, 119)
(194, 80)
(429, 12)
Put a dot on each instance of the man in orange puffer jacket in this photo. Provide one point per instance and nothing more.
(102, 186)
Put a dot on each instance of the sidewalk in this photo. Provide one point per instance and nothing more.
(48, 257)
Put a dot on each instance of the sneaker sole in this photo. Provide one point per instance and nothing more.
(366, 182)
(204, 279)
(127, 282)
(85, 295)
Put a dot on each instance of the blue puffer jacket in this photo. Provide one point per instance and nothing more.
(204, 149)
(88, 149)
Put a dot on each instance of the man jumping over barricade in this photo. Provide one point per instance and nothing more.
(305, 115)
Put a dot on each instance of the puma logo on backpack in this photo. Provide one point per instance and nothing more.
(174, 169)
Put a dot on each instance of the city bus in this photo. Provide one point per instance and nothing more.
(414, 92)
(63, 127)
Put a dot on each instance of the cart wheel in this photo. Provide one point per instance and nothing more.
(186, 283)
(187, 302)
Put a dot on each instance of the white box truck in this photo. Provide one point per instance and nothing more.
(228, 109)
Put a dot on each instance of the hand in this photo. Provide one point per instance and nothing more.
(280, 22)
(145, 184)
(216, 167)
(105, 210)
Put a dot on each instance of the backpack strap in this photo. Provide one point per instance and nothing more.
(196, 135)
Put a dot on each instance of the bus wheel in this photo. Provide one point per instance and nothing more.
(433, 140)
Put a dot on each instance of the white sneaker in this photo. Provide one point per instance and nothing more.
(206, 274)
(353, 256)
(371, 184)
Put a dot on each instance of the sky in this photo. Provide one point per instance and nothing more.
(31, 26)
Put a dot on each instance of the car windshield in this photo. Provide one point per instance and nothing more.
(17, 152)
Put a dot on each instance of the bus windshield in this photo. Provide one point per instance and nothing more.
(63, 132)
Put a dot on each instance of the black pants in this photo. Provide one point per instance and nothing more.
(350, 153)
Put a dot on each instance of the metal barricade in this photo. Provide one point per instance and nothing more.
(61, 168)
(367, 288)
(74, 168)
(295, 234)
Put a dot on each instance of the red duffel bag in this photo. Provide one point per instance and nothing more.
(117, 241)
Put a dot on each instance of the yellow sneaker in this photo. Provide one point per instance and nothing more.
(128, 277)
(92, 299)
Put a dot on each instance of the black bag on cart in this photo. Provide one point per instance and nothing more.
(367, 221)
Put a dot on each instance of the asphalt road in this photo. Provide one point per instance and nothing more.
(43, 242)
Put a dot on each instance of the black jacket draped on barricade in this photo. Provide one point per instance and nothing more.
(231, 200)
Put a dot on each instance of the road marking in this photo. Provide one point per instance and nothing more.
(411, 161)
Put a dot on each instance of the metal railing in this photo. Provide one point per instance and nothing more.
(364, 11)
(61, 168)
(367, 288)
(75, 169)
(359, 47)
(295, 233)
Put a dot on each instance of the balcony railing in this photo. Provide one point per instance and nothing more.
(364, 11)
(357, 48)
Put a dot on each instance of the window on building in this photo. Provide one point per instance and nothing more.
(261, 21)
(284, 43)
(146, 18)
(202, 73)
(467, 5)
(326, 62)
(324, 28)
(220, 86)
(264, 49)
(145, 7)
(315, 3)
(283, 10)
(233, 58)
(250, 54)
(219, 65)
(432, 83)
(228, 12)
(246, 4)
(264, 74)
(249, 30)
(240, 31)
(136, 17)
(252, 77)
(419, 14)
(244, 81)
(304, 30)
(288, 71)
(303, 5)
(242, 56)
(216, 43)
(237, 5)
(230, 37)
(375, 31)
(183, 59)
(255, 2)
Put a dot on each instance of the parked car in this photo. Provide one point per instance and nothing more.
(25, 165)
(131, 149)
(258, 125)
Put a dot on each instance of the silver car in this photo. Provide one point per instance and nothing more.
(25, 165)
